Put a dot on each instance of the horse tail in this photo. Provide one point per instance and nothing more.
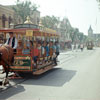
(0, 56)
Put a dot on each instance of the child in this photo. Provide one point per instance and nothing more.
(26, 50)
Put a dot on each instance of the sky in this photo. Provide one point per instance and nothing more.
(81, 13)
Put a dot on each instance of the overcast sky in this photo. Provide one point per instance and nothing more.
(81, 13)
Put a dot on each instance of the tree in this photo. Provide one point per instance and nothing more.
(50, 22)
(24, 9)
(98, 3)
(65, 28)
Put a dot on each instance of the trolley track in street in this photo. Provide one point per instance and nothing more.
(62, 60)
(17, 82)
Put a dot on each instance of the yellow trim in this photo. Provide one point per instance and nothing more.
(41, 58)
(29, 32)
(20, 67)
(45, 58)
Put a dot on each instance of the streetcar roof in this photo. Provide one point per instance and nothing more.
(23, 31)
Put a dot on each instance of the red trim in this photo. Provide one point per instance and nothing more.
(38, 32)
(17, 70)
(17, 30)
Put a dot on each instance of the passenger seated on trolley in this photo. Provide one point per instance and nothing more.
(31, 48)
(44, 45)
(36, 53)
(43, 49)
(51, 49)
(26, 49)
(39, 48)
(54, 49)
(47, 49)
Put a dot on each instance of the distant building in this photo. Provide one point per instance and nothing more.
(94, 36)
(8, 17)
(90, 32)
(64, 31)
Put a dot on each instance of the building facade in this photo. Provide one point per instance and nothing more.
(35, 17)
(64, 31)
(95, 37)
(90, 32)
(8, 17)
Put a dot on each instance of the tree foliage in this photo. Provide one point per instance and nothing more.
(64, 28)
(98, 3)
(50, 22)
(24, 9)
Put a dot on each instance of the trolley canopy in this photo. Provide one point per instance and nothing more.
(28, 28)
(38, 31)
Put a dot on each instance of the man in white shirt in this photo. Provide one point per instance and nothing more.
(12, 41)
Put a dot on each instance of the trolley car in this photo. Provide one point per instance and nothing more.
(89, 45)
(33, 37)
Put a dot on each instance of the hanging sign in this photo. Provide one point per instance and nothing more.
(29, 32)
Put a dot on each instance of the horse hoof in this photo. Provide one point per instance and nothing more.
(5, 81)
(0, 83)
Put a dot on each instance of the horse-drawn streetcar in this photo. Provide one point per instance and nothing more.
(36, 50)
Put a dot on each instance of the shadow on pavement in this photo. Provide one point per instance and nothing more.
(11, 92)
(55, 77)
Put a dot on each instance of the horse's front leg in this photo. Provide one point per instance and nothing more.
(6, 81)
(7, 73)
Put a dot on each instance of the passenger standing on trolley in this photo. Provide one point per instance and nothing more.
(57, 49)
(54, 53)
(47, 49)
(12, 41)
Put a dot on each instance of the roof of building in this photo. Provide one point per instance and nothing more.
(90, 28)
(6, 8)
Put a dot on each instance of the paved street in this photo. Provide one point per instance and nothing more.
(77, 77)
